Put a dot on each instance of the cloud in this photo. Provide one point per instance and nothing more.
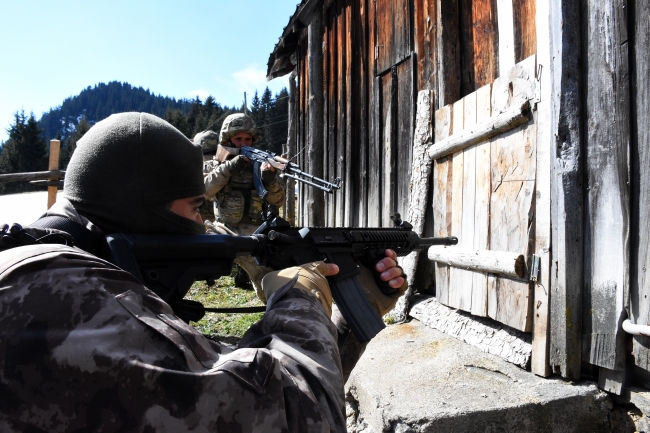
(201, 93)
(250, 78)
(254, 78)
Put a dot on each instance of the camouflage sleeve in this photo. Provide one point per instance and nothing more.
(215, 177)
(276, 193)
(83, 346)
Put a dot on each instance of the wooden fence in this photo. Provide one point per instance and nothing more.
(51, 178)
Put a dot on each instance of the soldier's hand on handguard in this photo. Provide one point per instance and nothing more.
(389, 272)
(236, 164)
(309, 278)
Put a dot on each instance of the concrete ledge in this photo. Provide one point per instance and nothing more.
(416, 379)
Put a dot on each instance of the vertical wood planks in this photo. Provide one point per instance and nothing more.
(562, 102)
(361, 53)
(486, 42)
(456, 275)
(441, 200)
(448, 40)
(467, 211)
(482, 201)
(404, 134)
(607, 225)
(393, 33)
(639, 302)
(290, 211)
(374, 141)
(388, 133)
(332, 112)
(525, 28)
(424, 23)
(303, 133)
(545, 142)
(511, 212)
(315, 125)
(340, 163)
(350, 155)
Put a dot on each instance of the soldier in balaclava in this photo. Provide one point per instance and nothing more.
(228, 178)
(84, 346)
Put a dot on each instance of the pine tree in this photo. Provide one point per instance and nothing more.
(25, 151)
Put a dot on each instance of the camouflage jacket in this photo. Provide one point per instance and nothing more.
(85, 347)
(220, 185)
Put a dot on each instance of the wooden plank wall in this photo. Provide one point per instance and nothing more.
(639, 301)
(484, 195)
(607, 109)
(367, 115)
(376, 55)
(567, 209)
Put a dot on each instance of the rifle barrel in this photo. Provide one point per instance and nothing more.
(447, 241)
(326, 186)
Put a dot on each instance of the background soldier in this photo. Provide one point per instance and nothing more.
(228, 179)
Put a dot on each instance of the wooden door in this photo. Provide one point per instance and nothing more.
(484, 185)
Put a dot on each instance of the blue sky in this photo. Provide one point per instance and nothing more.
(50, 50)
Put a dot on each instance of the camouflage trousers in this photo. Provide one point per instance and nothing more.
(248, 264)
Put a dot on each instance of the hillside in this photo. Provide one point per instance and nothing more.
(102, 100)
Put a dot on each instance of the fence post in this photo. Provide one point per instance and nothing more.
(55, 147)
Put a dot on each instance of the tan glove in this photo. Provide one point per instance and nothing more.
(382, 303)
(309, 278)
(217, 228)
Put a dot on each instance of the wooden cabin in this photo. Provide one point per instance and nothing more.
(520, 126)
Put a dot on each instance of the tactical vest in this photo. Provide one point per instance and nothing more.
(239, 202)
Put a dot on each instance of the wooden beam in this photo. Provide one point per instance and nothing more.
(419, 187)
(315, 60)
(55, 148)
(607, 112)
(290, 206)
(639, 302)
(501, 123)
(486, 261)
(33, 175)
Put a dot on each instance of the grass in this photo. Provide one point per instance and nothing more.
(224, 327)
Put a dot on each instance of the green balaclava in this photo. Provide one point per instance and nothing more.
(127, 168)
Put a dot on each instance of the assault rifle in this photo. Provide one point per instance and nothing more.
(169, 264)
(287, 168)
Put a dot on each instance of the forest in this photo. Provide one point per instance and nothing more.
(27, 148)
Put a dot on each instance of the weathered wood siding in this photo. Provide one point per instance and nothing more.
(640, 233)
(570, 185)
(376, 55)
(484, 196)
(607, 135)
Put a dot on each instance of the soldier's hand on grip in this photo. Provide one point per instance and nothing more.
(388, 272)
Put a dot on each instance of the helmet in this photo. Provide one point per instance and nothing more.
(208, 140)
(236, 123)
